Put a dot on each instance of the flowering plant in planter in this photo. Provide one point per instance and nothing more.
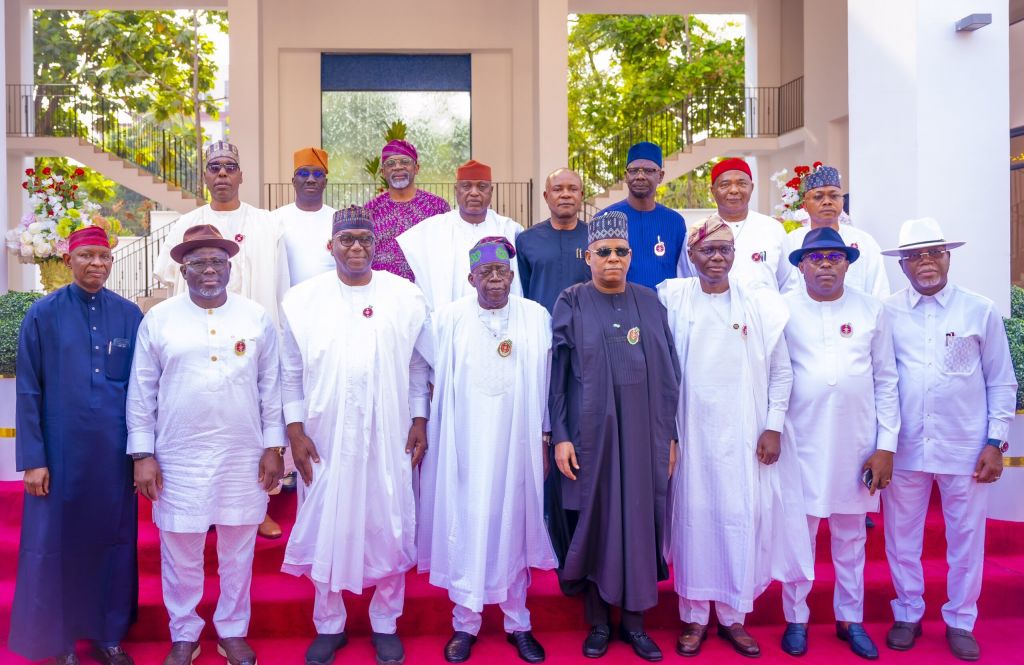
(791, 210)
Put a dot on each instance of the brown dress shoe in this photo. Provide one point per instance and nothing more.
(182, 653)
(962, 644)
(740, 639)
(689, 641)
(114, 655)
(236, 650)
(269, 528)
(70, 658)
(902, 635)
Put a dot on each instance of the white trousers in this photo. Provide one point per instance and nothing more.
(517, 617)
(848, 539)
(964, 507)
(181, 572)
(329, 614)
(699, 611)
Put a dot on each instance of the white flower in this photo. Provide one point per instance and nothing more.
(26, 250)
(47, 182)
(26, 237)
(42, 251)
(35, 227)
(58, 178)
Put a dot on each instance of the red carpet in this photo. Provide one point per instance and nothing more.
(282, 607)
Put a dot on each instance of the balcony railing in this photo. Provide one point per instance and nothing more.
(131, 276)
(511, 199)
(69, 111)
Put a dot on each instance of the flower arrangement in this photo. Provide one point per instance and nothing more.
(791, 211)
(59, 207)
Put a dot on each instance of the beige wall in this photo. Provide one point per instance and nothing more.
(1017, 75)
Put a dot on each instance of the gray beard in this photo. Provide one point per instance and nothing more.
(399, 183)
(211, 293)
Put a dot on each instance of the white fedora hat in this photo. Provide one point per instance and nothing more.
(921, 234)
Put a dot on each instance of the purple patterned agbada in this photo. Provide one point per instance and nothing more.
(391, 219)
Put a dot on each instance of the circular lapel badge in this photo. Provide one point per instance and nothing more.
(633, 336)
(846, 330)
(239, 237)
(505, 348)
(659, 247)
(368, 312)
(756, 257)
(240, 347)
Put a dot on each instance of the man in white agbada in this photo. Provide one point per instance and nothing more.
(206, 432)
(823, 202)
(481, 514)
(437, 248)
(259, 271)
(355, 402)
(737, 517)
(307, 221)
(957, 398)
(842, 421)
(761, 246)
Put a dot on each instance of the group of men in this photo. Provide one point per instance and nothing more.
(462, 396)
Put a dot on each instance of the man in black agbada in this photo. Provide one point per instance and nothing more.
(614, 388)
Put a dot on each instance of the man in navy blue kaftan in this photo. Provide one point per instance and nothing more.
(77, 566)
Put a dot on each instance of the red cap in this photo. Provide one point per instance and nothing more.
(473, 170)
(729, 164)
(88, 235)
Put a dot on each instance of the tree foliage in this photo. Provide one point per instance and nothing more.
(624, 68)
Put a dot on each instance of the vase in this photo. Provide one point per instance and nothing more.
(54, 274)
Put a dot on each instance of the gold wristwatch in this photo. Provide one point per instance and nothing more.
(277, 449)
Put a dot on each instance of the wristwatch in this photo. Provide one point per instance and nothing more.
(138, 456)
(277, 449)
(997, 443)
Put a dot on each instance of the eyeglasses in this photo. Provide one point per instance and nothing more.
(933, 254)
(620, 252)
(347, 240)
(637, 170)
(218, 265)
(398, 161)
(316, 173)
(89, 257)
(498, 269)
(467, 186)
(725, 250)
(817, 257)
(213, 168)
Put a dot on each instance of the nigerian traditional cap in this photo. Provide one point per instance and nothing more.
(399, 148)
(86, 236)
(730, 164)
(492, 249)
(712, 228)
(473, 170)
(823, 176)
(310, 157)
(644, 150)
(350, 218)
(607, 226)
(221, 149)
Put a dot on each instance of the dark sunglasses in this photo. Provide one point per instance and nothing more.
(605, 252)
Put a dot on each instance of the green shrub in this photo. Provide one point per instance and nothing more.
(13, 307)
(1016, 302)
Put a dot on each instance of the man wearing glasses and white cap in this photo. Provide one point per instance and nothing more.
(957, 399)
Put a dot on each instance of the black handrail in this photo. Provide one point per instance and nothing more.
(511, 199)
(131, 276)
(64, 110)
(717, 112)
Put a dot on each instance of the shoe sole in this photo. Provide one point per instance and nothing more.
(224, 653)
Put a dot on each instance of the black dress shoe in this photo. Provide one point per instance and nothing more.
(459, 647)
(70, 658)
(527, 645)
(322, 649)
(114, 655)
(596, 644)
(642, 644)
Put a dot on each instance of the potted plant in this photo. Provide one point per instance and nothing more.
(13, 307)
(1005, 499)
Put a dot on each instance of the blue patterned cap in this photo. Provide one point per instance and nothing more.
(606, 226)
(644, 150)
(824, 176)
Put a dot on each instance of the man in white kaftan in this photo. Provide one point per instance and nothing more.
(842, 421)
(205, 429)
(737, 517)
(481, 522)
(823, 202)
(355, 402)
(306, 223)
(957, 398)
(437, 248)
(761, 246)
(259, 271)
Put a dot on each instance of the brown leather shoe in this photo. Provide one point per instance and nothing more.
(114, 655)
(902, 635)
(689, 641)
(740, 639)
(70, 658)
(236, 650)
(182, 653)
(962, 643)
(269, 528)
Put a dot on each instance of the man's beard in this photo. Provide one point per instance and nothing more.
(400, 181)
(211, 292)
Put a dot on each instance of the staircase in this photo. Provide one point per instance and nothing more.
(59, 120)
(692, 131)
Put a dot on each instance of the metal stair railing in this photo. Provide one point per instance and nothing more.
(716, 112)
(66, 110)
(131, 275)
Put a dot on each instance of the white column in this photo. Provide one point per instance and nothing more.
(762, 52)
(929, 112)
(551, 97)
(17, 68)
(245, 58)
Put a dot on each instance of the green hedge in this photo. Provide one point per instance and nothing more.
(13, 307)
(1015, 334)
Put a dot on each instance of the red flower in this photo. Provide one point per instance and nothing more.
(79, 172)
(24, 185)
(30, 172)
(47, 171)
(817, 164)
(74, 187)
(802, 170)
(794, 183)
